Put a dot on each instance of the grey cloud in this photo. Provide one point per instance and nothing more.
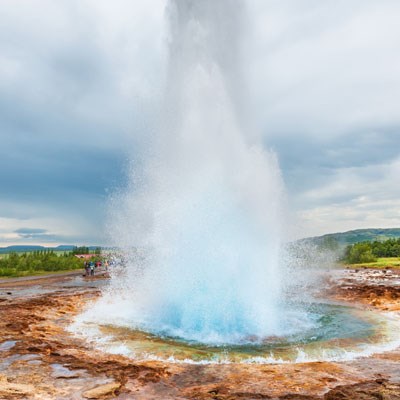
(312, 161)
(340, 75)
(30, 231)
(55, 238)
(64, 124)
(45, 237)
(79, 80)
(36, 234)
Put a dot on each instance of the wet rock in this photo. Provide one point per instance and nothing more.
(101, 391)
(33, 349)
(11, 390)
(60, 372)
(372, 390)
(59, 365)
(375, 302)
(7, 345)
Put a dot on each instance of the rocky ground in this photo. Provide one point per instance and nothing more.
(39, 359)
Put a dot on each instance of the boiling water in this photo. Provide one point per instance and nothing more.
(338, 333)
(199, 229)
(200, 225)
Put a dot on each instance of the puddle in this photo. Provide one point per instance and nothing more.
(34, 362)
(59, 371)
(9, 344)
(7, 362)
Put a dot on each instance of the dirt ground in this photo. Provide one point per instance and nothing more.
(40, 359)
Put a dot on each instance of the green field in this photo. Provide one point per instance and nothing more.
(22, 274)
(56, 252)
(37, 263)
(380, 263)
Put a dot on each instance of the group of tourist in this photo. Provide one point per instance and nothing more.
(92, 266)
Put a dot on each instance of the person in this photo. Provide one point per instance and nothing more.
(91, 268)
(87, 269)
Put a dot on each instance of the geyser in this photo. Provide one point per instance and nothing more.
(200, 226)
(201, 274)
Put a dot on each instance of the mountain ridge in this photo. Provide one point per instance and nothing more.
(356, 236)
(21, 248)
(342, 238)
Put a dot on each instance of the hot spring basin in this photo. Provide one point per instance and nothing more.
(337, 333)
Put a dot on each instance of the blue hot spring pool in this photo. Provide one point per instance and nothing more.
(331, 332)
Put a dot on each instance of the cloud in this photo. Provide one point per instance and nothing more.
(363, 196)
(72, 100)
(310, 161)
(327, 68)
(30, 231)
(36, 235)
(325, 86)
(80, 83)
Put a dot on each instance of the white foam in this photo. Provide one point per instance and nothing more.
(390, 341)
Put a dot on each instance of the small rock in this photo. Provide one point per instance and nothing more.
(61, 372)
(10, 389)
(102, 390)
(7, 345)
(33, 349)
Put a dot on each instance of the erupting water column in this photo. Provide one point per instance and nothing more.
(201, 224)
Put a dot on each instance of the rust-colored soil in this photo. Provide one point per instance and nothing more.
(40, 359)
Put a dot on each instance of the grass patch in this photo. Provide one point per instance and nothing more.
(37, 263)
(380, 263)
(58, 253)
(22, 274)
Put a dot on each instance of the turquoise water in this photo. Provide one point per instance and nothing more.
(325, 322)
(332, 332)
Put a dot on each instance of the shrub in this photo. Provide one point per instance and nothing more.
(37, 262)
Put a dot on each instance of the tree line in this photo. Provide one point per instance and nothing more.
(86, 250)
(37, 262)
(365, 252)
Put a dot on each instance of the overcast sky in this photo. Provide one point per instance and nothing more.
(78, 81)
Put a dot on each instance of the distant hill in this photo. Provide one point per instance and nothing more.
(358, 235)
(341, 238)
(28, 248)
(20, 248)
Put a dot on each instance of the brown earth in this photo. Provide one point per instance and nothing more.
(39, 359)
